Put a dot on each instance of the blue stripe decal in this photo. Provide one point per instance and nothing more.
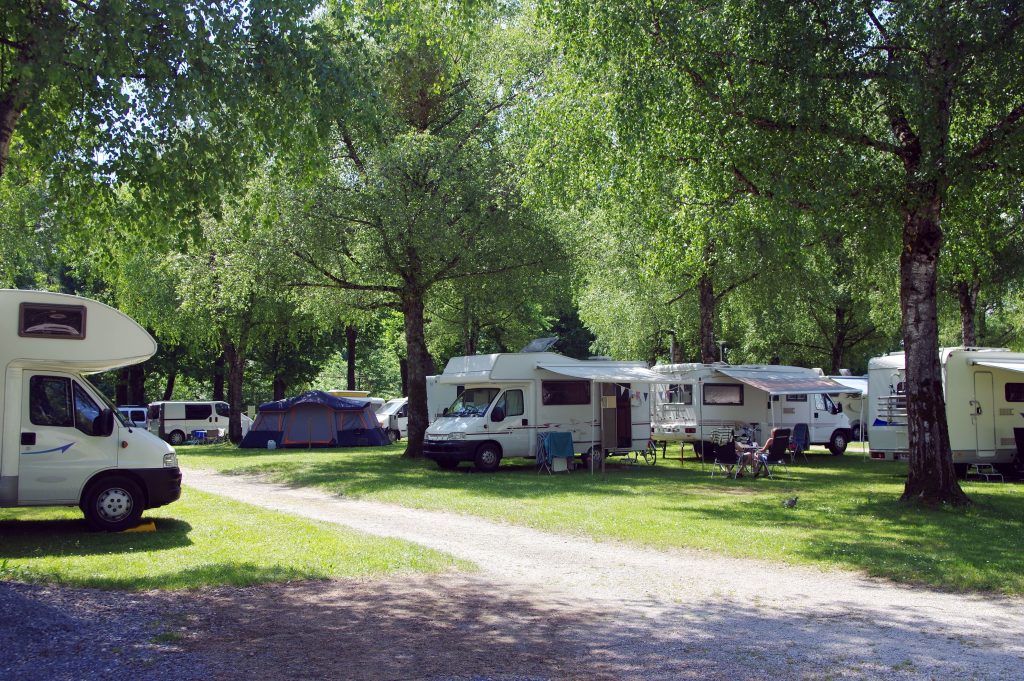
(55, 449)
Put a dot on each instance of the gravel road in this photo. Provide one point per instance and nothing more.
(654, 614)
(542, 606)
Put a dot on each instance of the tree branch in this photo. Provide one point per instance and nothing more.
(338, 282)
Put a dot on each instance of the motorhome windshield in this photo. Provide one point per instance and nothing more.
(473, 402)
(391, 407)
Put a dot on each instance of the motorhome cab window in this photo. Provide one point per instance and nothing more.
(473, 402)
(565, 392)
(86, 411)
(51, 321)
(723, 393)
(511, 403)
(1014, 392)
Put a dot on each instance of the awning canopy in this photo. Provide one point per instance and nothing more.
(603, 373)
(785, 382)
(1009, 365)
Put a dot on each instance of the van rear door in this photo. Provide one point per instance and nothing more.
(58, 449)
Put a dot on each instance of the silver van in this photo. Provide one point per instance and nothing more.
(176, 422)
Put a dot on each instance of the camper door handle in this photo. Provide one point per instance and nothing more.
(28, 439)
(526, 422)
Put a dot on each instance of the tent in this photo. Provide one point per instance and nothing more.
(315, 419)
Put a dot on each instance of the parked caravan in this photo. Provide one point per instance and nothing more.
(984, 394)
(63, 442)
(852, 402)
(508, 398)
(176, 421)
(691, 400)
(136, 413)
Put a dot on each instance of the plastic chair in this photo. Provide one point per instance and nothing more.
(775, 453)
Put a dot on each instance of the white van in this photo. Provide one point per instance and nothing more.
(984, 395)
(175, 422)
(136, 413)
(509, 398)
(393, 418)
(694, 399)
(63, 442)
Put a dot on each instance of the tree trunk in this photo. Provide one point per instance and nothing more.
(968, 297)
(121, 390)
(838, 341)
(13, 102)
(280, 387)
(351, 334)
(403, 371)
(931, 477)
(218, 378)
(234, 361)
(172, 375)
(706, 291)
(417, 367)
(137, 384)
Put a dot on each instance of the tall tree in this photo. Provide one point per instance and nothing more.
(880, 102)
(421, 193)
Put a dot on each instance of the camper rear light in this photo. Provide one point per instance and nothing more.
(877, 455)
(691, 430)
(170, 460)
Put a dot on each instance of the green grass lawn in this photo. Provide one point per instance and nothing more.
(201, 540)
(848, 514)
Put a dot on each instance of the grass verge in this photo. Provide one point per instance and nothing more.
(201, 540)
(848, 514)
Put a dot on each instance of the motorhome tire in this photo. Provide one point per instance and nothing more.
(837, 443)
(113, 503)
(447, 463)
(176, 437)
(487, 458)
(393, 435)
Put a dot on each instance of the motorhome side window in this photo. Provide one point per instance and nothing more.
(565, 392)
(223, 409)
(195, 412)
(723, 393)
(680, 394)
(797, 398)
(1014, 392)
(511, 403)
(51, 321)
(50, 401)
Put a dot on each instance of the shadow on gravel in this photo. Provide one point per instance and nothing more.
(451, 627)
(43, 538)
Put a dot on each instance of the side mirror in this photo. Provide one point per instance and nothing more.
(498, 414)
(838, 408)
(444, 412)
(103, 425)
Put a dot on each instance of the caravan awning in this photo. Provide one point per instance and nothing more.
(1009, 365)
(785, 382)
(604, 373)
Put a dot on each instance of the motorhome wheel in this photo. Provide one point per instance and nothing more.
(837, 445)
(487, 458)
(394, 435)
(176, 437)
(113, 504)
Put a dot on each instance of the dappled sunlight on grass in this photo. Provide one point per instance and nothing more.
(848, 514)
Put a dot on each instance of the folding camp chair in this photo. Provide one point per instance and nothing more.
(800, 441)
(775, 454)
(554, 451)
(718, 445)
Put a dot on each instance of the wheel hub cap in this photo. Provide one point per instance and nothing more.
(114, 504)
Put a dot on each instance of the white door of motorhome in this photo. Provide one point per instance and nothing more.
(822, 420)
(513, 431)
(984, 413)
(58, 451)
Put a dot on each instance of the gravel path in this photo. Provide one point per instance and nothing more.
(651, 614)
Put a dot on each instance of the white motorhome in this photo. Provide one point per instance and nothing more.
(984, 394)
(691, 400)
(63, 442)
(176, 421)
(853, 402)
(509, 398)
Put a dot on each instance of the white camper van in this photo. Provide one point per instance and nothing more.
(64, 443)
(509, 398)
(984, 393)
(691, 400)
(852, 402)
(176, 421)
